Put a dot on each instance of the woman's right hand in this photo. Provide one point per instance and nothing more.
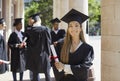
(59, 65)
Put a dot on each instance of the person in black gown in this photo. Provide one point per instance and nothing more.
(76, 55)
(38, 49)
(3, 54)
(57, 35)
(17, 46)
(27, 29)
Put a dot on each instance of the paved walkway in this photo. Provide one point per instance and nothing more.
(8, 76)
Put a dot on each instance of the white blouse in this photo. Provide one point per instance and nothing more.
(19, 34)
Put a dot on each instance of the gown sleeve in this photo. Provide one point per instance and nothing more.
(12, 41)
(88, 60)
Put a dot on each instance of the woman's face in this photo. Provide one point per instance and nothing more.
(74, 28)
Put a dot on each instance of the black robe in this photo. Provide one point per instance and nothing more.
(59, 37)
(38, 49)
(3, 55)
(17, 54)
(80, 61)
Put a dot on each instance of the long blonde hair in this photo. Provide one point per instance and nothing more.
(67, 44)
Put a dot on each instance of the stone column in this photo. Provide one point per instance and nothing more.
(110, 24)
(60, 8)
(19, 10)
(7, 16)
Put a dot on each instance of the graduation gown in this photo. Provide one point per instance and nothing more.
(38, 49)
(17, 54)
(59, 37)
(3, 55)
(80, 61)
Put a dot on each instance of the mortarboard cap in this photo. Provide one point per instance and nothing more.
(55, 20)
(2, 20)
(35, 17)
(74, 15)
(17, 21)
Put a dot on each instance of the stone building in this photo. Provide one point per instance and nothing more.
(110, 22)
(10, 9)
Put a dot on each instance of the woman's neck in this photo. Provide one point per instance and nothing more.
(75, 40)
(75, 43)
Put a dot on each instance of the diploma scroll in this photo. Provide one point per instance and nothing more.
(55, 55)
(24, 39)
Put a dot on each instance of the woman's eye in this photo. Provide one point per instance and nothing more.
(77, 26)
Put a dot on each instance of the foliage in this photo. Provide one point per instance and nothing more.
(46, 7)
(43, 6)
(94, 13)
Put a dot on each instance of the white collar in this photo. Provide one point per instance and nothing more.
(19, 34)
(56, 31)
(79, 44)
(36, 24)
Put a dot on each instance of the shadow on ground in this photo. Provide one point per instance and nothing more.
(43, 79)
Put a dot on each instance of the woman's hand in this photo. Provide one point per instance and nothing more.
(59, 65)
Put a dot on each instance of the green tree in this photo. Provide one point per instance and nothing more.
(43, 6)
(94, 13)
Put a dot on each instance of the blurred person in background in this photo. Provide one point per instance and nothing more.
(38, 49)
(17, 46)
(3, 54)
(57, 36)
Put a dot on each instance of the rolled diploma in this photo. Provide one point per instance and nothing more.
(55, 55)
(24, 39)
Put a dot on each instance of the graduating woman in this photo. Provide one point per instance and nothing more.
(76, 55)
(17, 46)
